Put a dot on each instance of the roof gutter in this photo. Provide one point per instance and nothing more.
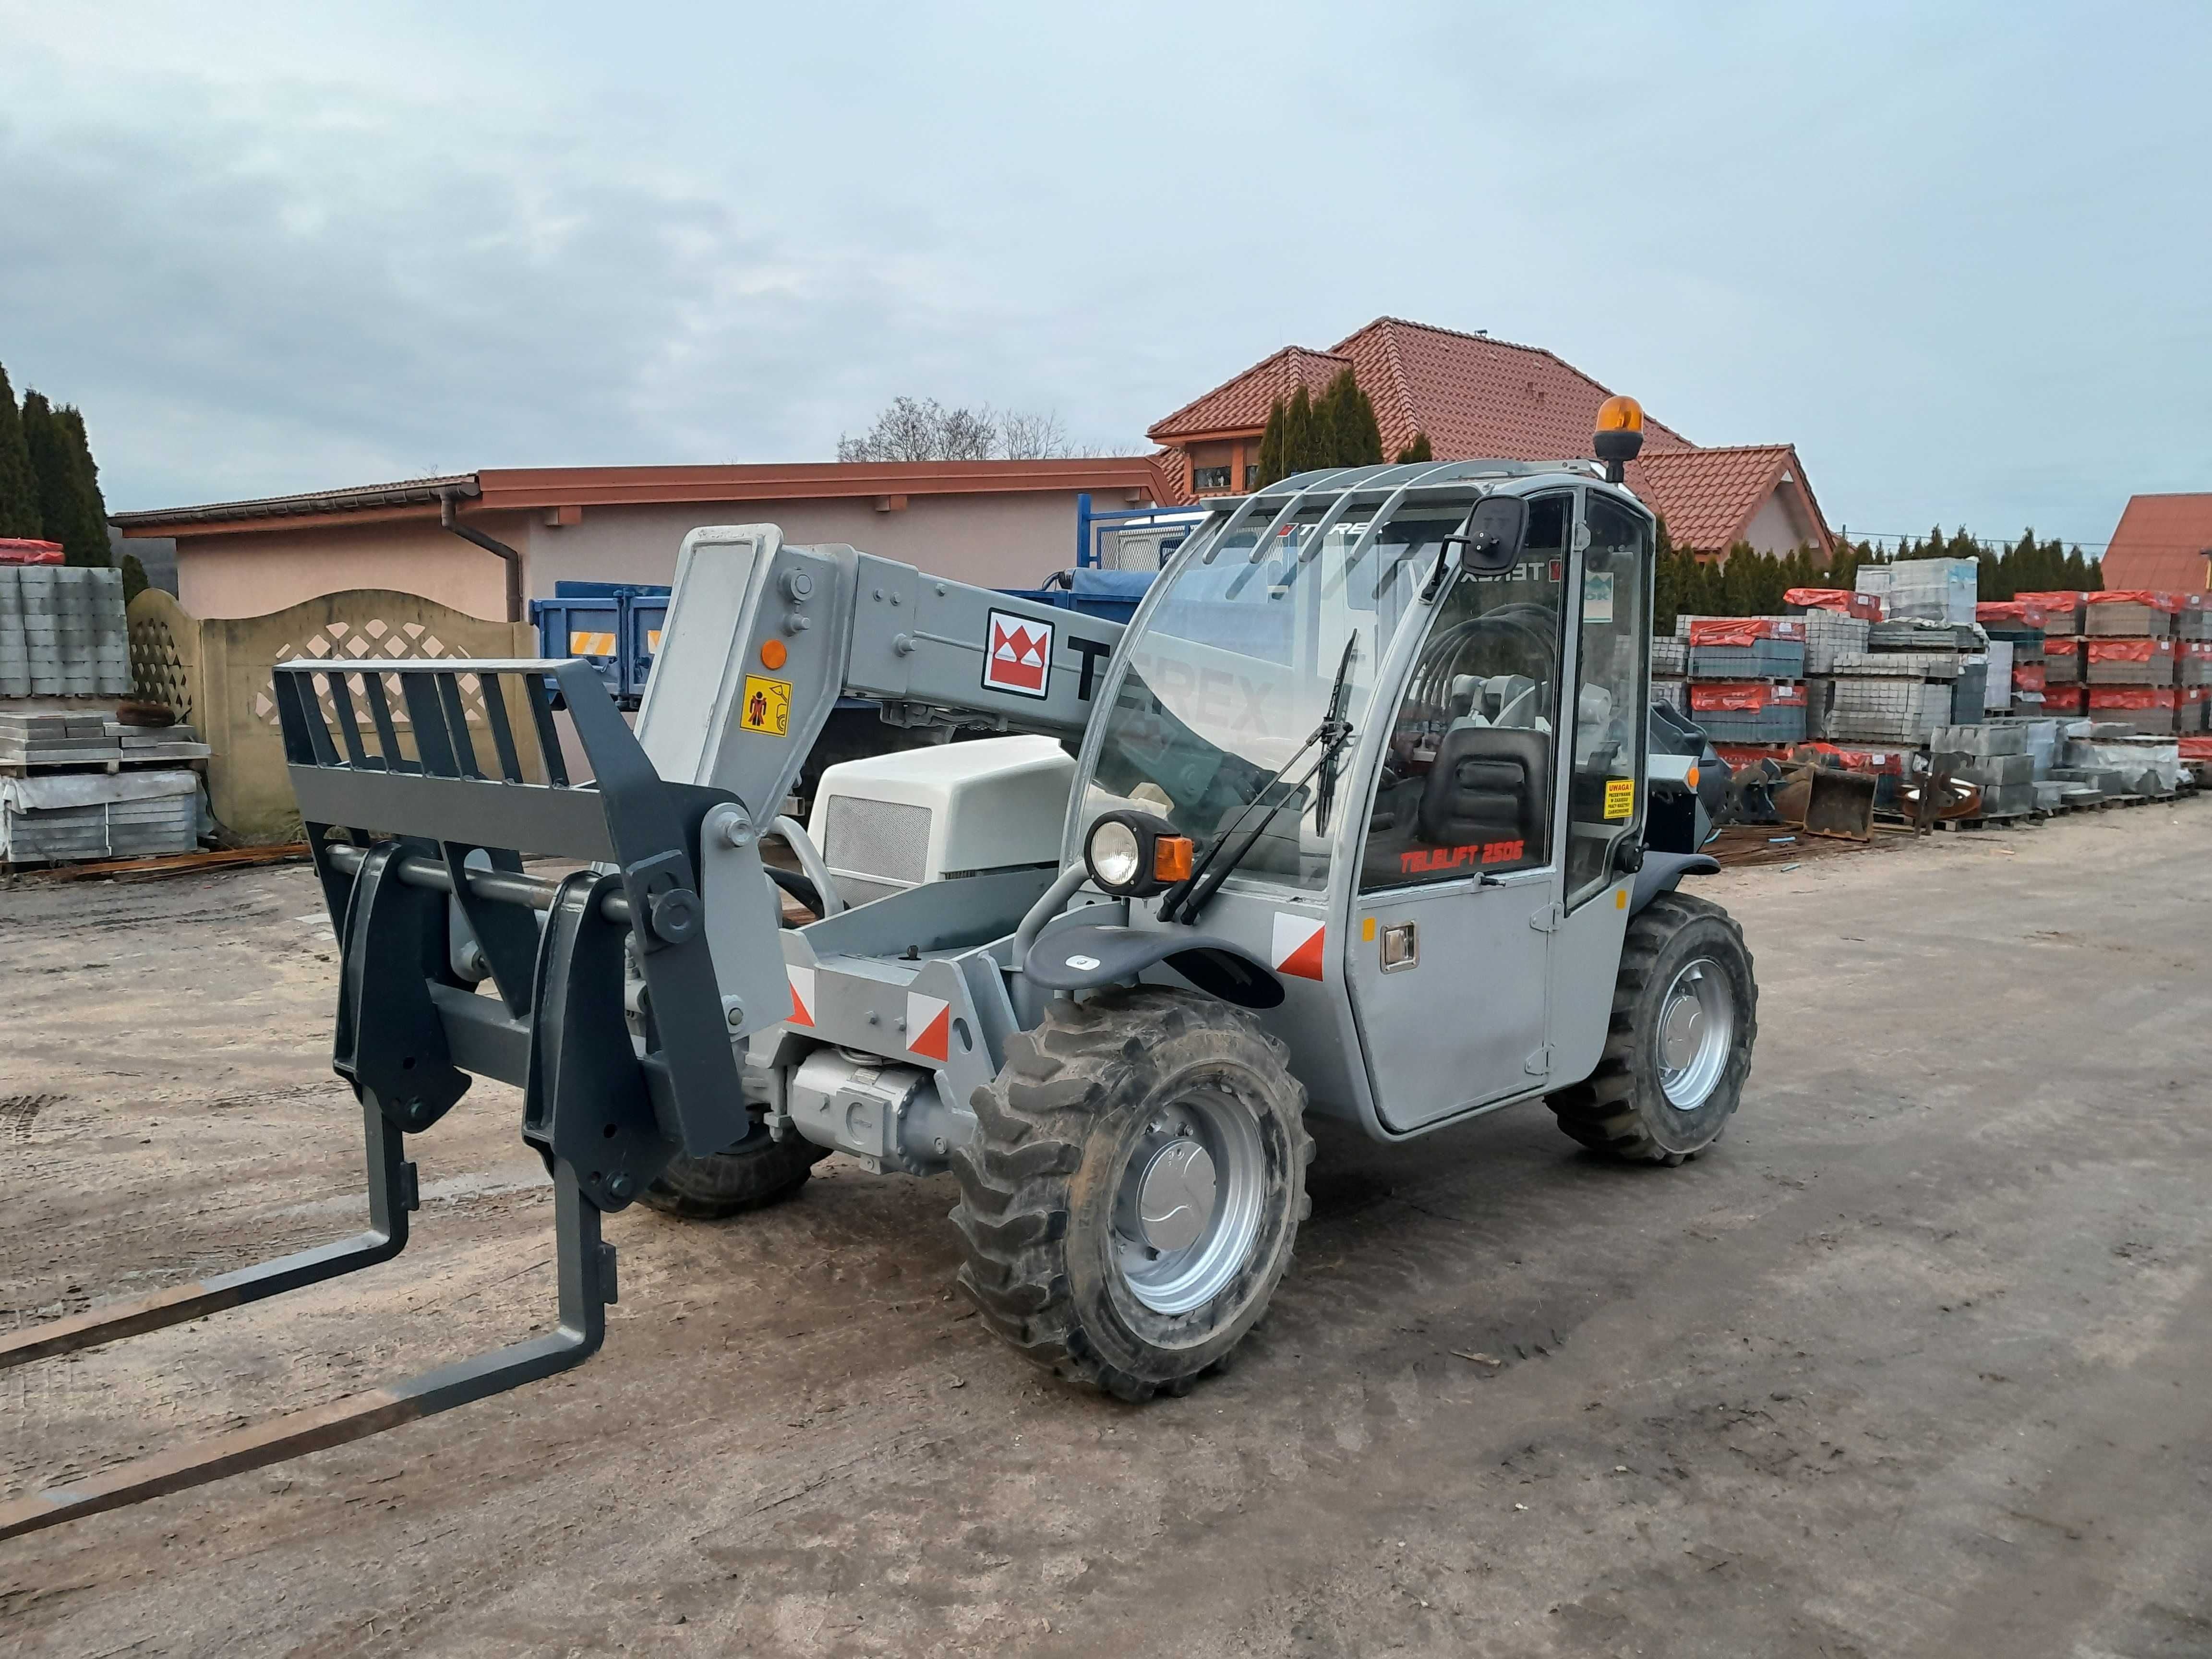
(449, 520)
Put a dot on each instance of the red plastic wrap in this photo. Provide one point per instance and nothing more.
(2156, 601)
(2028, 677)
(2023, 613)
(1744, 697)
(2131, 696)
(1865, 606)
(21, 551)
(2061, 645)
(2132, 649)
(1745, 631)
(1891, 760)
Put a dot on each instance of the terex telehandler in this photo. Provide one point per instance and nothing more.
(1351, 819)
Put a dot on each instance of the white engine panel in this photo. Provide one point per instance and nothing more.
(892, 822)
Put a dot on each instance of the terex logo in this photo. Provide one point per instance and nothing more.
(1019, 655)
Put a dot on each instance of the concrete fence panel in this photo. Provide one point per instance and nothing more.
(218, 675)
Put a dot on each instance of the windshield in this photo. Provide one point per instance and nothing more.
(1234, 671)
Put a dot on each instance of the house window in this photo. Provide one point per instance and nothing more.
(1203, 478)
(1251, 476)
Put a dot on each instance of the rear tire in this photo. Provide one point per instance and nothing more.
(1134, 1190)
(758, 1171)
(1684, 1015)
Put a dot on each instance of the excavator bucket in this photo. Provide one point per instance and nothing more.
(454, 961)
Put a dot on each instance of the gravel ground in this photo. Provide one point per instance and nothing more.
(1914, 1362)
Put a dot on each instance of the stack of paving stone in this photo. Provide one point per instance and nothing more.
(1995, 756)
(1898, 690)
(2063, 691)
(2127, 660)
(1748, 677)
(76, 783)
(63, 632)
(2019, 625)
(52, 818)
(1670, 673)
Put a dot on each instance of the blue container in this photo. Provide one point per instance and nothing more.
(586, 627)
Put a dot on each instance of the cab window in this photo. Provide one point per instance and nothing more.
(1605, 797)
(1466, 787)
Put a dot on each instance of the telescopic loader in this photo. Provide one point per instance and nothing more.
(1351, 819)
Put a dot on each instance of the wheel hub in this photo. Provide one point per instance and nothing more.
(1188, 1205)
(1697, 1028)
(1175, 1197)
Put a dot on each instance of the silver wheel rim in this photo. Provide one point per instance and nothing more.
(1696, 1027)
(1188, 1207)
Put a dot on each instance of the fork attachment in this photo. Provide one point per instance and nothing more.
(454, 962)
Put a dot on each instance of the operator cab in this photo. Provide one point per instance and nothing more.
(1420, 756)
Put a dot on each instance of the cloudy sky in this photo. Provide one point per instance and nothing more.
(1957, 253)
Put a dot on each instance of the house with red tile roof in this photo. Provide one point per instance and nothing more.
(2163, 543)
(1479, 398)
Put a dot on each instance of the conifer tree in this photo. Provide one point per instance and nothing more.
(19, 485)
(1271, 447)
(1419, 449)
(88, 544)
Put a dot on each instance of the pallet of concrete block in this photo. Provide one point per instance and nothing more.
(2138, 660)
(1829, 635)
(51, 736)
(2061, 608)
(1886, 708)
(1992, 756)
(2142, 765)
(1833, 601)
(1916, 636)
(1898, 665)
(2192, 709)
(2062, 660)
(2129, 613)
(156, 743)
(1670, 658)
(63, 632)
(1673, 691)
(60, 817)
(1926, 590)
(2143, 710)
(1749, 711)
(2193, 620)
(1748, 649)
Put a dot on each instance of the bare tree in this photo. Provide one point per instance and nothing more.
(923, 429)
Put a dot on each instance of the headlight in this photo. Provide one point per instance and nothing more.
(1116, 855)
(1136, 854)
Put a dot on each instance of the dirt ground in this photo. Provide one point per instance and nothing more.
(1914, 1362)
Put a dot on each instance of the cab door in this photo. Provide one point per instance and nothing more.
(1459, 880)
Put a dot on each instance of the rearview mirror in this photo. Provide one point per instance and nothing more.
(1492, 542)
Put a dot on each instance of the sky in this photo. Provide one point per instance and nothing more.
(1956, 253)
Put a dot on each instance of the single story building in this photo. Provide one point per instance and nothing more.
(2164, 542)
(1477, 398)
(486, 541)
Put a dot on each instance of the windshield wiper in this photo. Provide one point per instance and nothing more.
(1190, 894)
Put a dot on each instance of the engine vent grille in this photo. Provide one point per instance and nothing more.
(884, 838)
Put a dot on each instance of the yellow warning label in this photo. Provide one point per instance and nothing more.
(653, 639)
(1619, 797)
(767, 707)
(591, 645)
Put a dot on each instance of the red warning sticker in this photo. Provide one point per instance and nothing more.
(1298, 942)
(1018, 656)
(928, 1026)
(802, 994)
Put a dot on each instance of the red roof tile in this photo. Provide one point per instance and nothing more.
(1478, 398)
(1241, 404)
(1709, 496)
(2162, 543)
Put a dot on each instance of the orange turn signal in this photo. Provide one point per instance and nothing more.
(1691, 779)
(1172, 858)
(773, 654)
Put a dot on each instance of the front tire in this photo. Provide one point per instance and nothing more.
(758, 1171)
(1684, 1015)
(1134, 1190)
